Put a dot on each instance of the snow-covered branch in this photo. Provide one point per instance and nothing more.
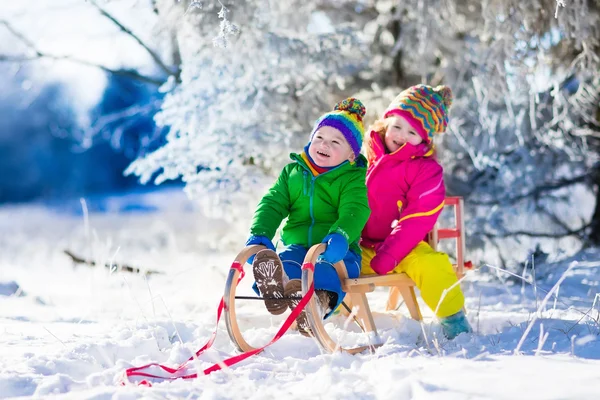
(173, 70)
(37, 54)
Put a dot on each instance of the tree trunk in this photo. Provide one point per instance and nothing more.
(595, 222)
(398, 70)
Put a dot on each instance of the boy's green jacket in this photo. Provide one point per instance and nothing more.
(334, 201)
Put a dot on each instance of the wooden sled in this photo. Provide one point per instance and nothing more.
(236, 334)
(401, 286)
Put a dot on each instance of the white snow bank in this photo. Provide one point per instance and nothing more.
(77, 329)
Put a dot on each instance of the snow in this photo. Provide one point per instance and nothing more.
(69, 332)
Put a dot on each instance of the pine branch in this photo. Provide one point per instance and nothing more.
(122, 267)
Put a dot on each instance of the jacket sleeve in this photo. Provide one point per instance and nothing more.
(272, 208)
(424, 203)
(353, 211)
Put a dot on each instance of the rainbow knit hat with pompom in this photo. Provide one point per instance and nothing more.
(346, 117)
(424, 107)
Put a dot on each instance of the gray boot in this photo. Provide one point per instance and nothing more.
(294, 289)
(269, 277)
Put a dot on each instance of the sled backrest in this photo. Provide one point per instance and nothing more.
(457, 232)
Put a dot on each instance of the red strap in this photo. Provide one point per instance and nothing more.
(136, 371)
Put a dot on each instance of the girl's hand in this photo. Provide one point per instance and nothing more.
(383, 263)
(337, 247)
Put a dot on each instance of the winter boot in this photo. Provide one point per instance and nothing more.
(455, 324)
(294, 289)
(269, 277)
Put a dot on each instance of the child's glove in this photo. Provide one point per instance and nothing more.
(337, 247)
(383, 263)
(255, 239)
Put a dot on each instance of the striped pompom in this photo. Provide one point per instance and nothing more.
(353, 106)
(446, 93)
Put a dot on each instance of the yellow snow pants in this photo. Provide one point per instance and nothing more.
(432, 272)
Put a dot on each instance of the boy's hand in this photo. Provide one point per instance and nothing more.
(254, 239)
(265, 241)
(383, 263)
(337, 247)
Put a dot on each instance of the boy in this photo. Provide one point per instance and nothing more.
(323, 194)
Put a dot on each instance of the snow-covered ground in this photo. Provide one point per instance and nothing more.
(69, 332)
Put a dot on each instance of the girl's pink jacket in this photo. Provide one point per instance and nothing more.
(406, 186)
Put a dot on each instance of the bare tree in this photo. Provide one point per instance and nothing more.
(33, 52)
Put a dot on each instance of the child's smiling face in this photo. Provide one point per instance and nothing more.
(399, 131)
(329, 147)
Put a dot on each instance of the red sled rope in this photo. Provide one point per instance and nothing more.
(138, 371)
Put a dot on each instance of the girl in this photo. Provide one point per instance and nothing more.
(322, 193)
(406, 195)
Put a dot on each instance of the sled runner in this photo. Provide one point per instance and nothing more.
(401, 286)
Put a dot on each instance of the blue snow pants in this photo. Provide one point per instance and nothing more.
(325, 277)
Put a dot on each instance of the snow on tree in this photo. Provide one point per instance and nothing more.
(524, 121)
(524, 124)
(255, 76)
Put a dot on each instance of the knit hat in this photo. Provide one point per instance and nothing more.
(346, 117)
(424, 107)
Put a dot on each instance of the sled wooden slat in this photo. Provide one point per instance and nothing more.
(367, 288)
(379, 280)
